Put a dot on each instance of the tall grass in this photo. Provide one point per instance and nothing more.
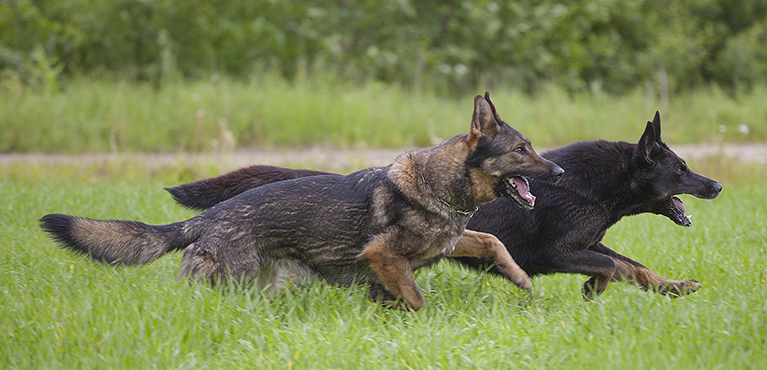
(60, 310)
(99, 115)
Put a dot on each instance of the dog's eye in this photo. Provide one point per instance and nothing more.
(520, 150)
(681, 169)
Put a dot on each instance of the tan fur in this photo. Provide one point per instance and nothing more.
(380, 197)
(115, 239)
(483, 185)
(648, 280)
(395, 271)
(487, 246)
(402, 174)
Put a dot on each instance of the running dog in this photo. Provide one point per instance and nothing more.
(373, 227)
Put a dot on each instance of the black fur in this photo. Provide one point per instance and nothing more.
(189, 196)
(59, 227)
(603, 182)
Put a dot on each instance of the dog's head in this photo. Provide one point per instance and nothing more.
(505, 155)
(662, 175)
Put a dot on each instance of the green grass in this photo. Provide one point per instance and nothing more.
(98, 115)
(60, 310)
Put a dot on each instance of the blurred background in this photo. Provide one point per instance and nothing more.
(190, 75)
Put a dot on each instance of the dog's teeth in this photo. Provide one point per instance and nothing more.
(688, 216)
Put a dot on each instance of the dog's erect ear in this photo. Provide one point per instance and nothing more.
(646, 144)
(492, 107)
(483, 122)
(656, 126)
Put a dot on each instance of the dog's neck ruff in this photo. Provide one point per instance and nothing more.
(454, 208)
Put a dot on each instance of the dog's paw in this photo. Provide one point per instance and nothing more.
(681, 287)
(516, 275)
(691, 285)
(589, 290)
(378, 293)
(523, 282)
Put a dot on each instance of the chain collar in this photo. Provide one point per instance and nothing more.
(456, 209)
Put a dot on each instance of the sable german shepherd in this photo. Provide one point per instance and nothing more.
(372, 227)
(604, 181)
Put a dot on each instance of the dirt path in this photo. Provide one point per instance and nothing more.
(332, 159)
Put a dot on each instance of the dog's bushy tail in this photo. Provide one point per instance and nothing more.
(118, 242)
(203, 194)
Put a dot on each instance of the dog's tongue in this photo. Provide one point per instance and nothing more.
(523, 188)
(678, 204)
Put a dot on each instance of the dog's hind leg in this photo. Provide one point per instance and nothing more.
(395, 272)
(636, 273)
(277, 275)
(212, 263)
(487, 246)
(200, 264)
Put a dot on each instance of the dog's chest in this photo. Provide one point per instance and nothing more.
(440, 243)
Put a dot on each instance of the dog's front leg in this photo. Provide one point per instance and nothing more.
(636, 273)
(394, 270)
(487, 246)
(600, 267)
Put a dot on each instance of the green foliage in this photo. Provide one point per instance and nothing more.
(445, 46)
(60, 310)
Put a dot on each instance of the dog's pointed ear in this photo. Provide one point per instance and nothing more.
(492, 107)
(656, 126)
(646, 144)
(482, 122)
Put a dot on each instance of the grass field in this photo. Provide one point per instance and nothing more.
(61, 311)
(101, 116)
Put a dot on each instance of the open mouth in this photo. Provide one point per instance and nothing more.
(518, 189)
(676, 210)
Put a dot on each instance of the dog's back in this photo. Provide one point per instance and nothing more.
(203, 194)
(297, 228)
(317, 223)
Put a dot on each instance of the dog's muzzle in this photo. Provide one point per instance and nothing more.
(518, 189)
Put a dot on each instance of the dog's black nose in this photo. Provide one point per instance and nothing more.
(558, 171)
(715, 187)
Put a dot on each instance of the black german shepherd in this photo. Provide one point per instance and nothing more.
(604, 181)
(372, 227)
